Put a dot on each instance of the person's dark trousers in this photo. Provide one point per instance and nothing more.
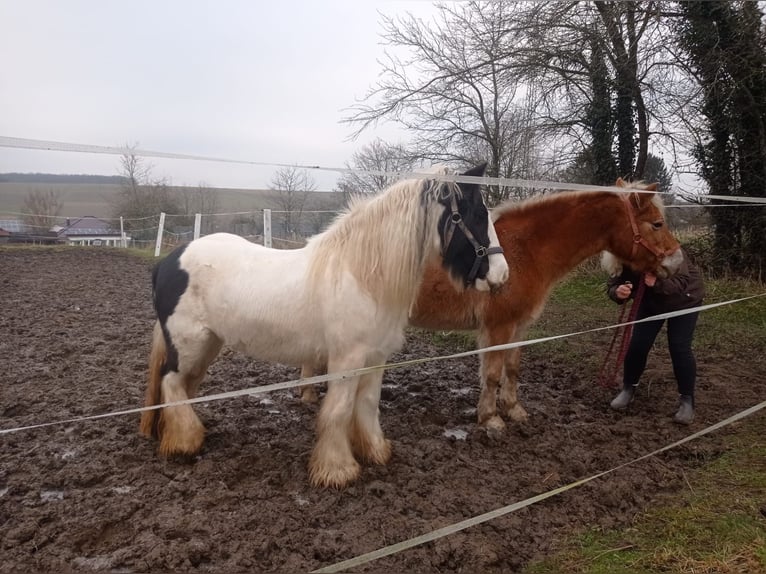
(680, 336)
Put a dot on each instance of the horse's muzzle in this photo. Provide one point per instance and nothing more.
(498, 272)
(672, 262)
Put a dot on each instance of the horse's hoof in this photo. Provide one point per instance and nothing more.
(381, 454)
(309, 395)
(376, 452)
(494, 424)
(186, 445)
(517, 414)
(322, 476)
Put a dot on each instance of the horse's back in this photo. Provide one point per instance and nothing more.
(253, 298)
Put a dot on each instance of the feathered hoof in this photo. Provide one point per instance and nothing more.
(148, 425)
(494, 424)
(187, 443)
(380, 453)
(322, 475)
(308, 394)
(517, 414)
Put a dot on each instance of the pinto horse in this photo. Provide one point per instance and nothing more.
(543, 239)
(342, 301)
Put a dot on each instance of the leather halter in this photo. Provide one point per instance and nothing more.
(637, 237)
(456, 220)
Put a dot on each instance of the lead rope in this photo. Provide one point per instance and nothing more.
(606, 376)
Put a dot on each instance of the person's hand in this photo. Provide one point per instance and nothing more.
(650, 279)
(623, 291)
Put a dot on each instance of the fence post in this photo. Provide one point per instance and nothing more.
(159, 234)
(197, 224)
(267, 228)
(122, 234)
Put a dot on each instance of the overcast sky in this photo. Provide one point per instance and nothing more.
(249, 80)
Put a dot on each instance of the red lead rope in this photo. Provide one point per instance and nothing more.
(606, 375)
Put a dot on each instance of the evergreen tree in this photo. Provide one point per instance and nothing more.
(725, 44)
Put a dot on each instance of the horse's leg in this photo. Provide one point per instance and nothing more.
(180, 429)
(332, 462)
(367, 437)
(508, 398)
(492, 364)
(308, 393)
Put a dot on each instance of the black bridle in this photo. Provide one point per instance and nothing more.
(455, 220)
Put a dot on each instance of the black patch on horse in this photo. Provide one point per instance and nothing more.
(459, 256)
(169, 282)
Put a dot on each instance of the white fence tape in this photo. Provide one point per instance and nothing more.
(497, 513)
(342, 375)
(25, 143)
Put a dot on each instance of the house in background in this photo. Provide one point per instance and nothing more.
(90, 230)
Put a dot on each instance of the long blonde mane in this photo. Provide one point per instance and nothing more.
(384, 241)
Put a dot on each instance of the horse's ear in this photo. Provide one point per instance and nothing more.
(477, 171)
(651, 187)
(620, 182)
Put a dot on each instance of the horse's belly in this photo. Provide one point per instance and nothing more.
(278, 348)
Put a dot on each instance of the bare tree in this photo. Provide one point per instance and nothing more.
(377, 156)
(451, 91)
(40, 209)
(292, 186)
(564, 45)
(140, 197)
(201, 199)
(530, 86)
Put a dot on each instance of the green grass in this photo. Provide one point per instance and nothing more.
(716, 525)
(452, 341)
(745, 319)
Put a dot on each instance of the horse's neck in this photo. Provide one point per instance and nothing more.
(560, 233)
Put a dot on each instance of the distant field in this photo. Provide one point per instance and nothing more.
(96, 198)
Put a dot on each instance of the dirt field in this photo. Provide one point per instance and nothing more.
(94, 496)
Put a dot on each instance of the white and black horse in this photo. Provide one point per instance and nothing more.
(342, 301)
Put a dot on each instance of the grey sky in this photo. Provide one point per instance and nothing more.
(251, 80)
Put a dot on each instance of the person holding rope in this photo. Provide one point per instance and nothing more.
(655, 295)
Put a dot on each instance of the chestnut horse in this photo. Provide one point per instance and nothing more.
(543, 239)
(341, 300)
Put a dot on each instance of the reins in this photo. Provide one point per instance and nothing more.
(456, 221)
(605, 375)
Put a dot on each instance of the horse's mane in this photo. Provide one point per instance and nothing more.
(519, 207)
(382, 240)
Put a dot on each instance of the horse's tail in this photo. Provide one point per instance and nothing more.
(150, 419)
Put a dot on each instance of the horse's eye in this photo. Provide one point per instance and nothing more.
(658, 224)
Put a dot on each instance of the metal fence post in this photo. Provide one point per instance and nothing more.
(197, 224)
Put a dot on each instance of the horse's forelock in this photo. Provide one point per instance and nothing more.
(436, 189)
(658, 203)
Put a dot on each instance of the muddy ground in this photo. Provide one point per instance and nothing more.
(94, 496)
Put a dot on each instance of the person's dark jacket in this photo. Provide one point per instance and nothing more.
(683, 290)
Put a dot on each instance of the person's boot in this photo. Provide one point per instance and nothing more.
(621, 401)
(685, 414)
